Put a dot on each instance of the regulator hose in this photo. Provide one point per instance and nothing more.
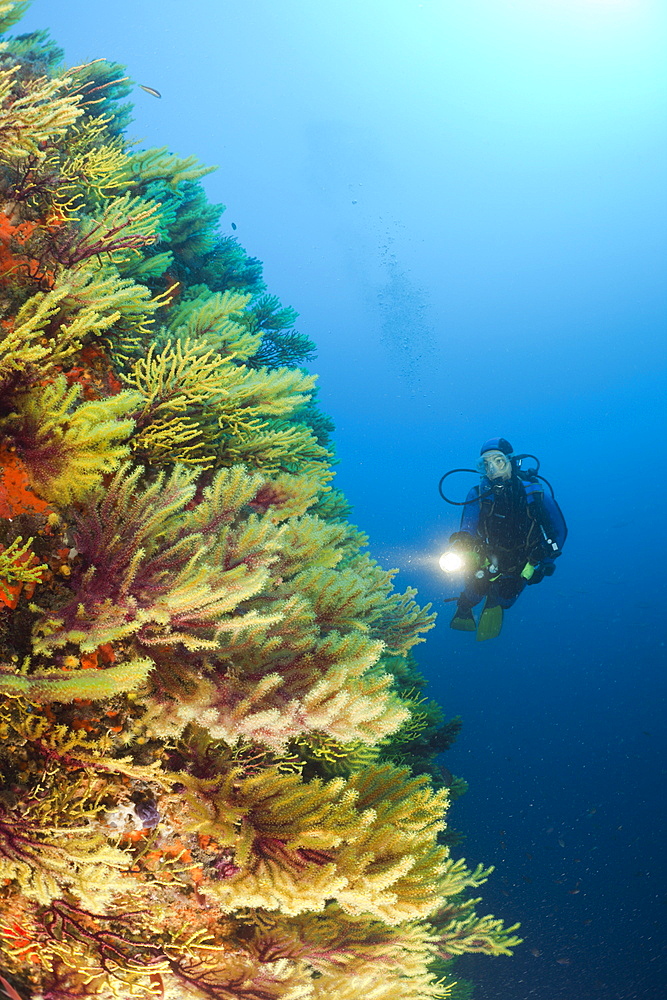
(459, 503)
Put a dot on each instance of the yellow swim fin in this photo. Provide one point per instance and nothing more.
(490, 623)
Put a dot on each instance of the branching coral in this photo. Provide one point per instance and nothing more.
(18, 568)
(149, 166)
(61, 182)
(91, 168)
(51, 328)
(46, 111)
(215, 320)
(143, 573)
(199, 407)
(26, 353)
(68, 448)
(11, 11)
(127, 226)
(93, 684)
(466, 933)
(215, 756)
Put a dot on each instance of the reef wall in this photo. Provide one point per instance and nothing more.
(217, 776)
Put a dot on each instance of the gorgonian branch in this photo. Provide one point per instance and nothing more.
(69, 247)
(63, 918)
(15, 843)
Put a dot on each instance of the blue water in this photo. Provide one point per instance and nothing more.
(466, 204)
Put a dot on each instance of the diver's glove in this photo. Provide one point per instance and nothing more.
(535, 574)
(466, 553)
(528, 572)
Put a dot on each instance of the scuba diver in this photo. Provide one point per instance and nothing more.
(512, 531)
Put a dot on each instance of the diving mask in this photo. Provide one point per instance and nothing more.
(495, 465)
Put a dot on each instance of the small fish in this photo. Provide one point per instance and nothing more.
(233, 225)
(535, 952)
(151, 90)
(563, 961)
(561, 842)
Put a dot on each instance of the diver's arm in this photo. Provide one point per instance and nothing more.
(553, 524)
(541, 560)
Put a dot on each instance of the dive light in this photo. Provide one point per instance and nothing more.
(451, 562)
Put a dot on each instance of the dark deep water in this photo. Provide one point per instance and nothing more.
(563, 741)
(466, 204)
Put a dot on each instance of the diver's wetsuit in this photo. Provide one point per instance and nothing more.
(514, 522)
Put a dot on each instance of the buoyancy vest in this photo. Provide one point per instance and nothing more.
(512, 523)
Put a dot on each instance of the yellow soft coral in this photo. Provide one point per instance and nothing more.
(44, 111)
(200, 407)
(213, 319)
(66, 447)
